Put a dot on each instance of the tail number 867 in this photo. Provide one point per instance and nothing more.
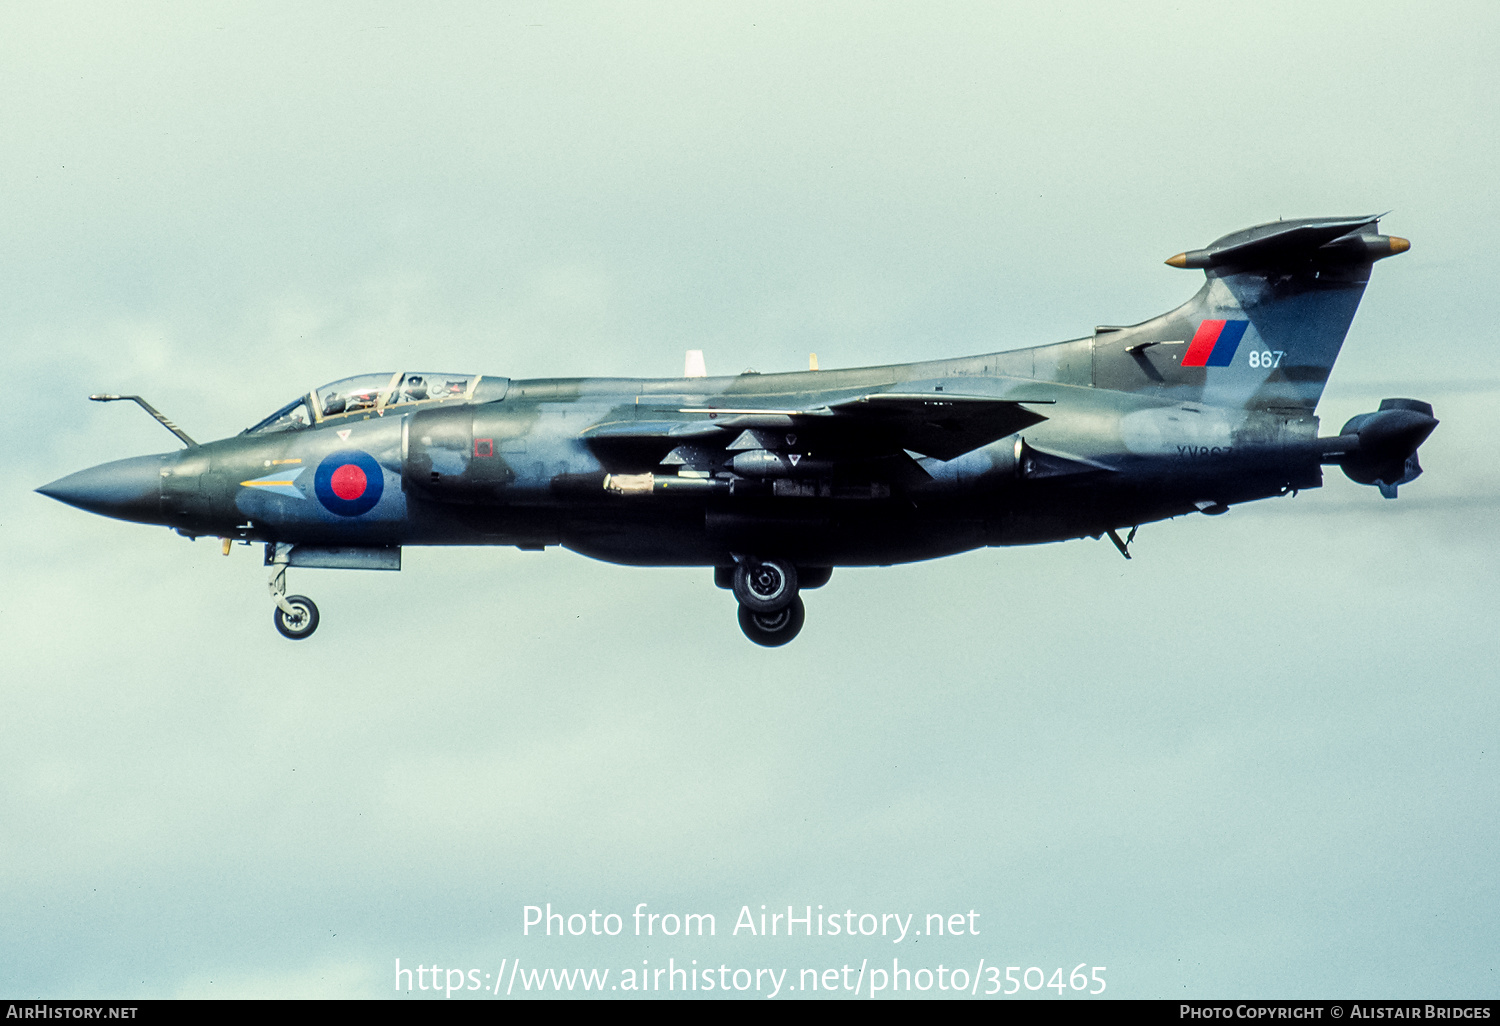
(1266, 358)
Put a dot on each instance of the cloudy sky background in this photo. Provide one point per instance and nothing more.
(1259, 760)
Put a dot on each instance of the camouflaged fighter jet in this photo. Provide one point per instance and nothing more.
(773, 480)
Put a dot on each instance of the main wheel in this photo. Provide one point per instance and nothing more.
(299, 624)
(765, 587)
(774, 629)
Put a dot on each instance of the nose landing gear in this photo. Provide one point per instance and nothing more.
(295, 616)
(300, 622)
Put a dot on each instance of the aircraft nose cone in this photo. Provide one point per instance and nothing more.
(125, 489)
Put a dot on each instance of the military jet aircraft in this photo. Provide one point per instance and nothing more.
(772, 480)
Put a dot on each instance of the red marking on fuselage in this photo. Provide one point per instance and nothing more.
(348, 482)
(1202, 346)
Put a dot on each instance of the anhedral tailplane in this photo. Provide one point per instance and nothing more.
(1264, 330)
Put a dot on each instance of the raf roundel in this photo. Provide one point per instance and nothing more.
(349, 483)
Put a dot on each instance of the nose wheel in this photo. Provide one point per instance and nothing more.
(300, 622)
(295, 616)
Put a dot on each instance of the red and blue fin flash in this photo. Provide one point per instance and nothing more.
(1214, 344)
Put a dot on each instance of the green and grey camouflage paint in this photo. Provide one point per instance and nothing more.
(1203, 407)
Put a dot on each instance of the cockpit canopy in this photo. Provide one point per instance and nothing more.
(370, 395)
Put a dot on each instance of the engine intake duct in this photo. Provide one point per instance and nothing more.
(437, 447)
(1380, 448)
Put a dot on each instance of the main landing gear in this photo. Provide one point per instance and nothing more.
(771, 610)
(774, 629)
(295, 616)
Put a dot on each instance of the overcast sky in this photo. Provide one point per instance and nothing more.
(1258, 760)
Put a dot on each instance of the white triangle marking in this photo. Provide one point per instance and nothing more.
(344, 434)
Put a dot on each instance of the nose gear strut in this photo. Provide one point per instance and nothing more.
(295, 616)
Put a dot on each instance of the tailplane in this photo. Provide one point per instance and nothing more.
(1264, 330)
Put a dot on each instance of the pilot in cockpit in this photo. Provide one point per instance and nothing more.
(415, 389)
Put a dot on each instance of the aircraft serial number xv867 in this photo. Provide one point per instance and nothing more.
(773, 480)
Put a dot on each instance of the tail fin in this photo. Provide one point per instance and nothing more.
(1265, 328)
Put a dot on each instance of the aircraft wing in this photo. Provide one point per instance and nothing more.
(869, 426)
(935, 424)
